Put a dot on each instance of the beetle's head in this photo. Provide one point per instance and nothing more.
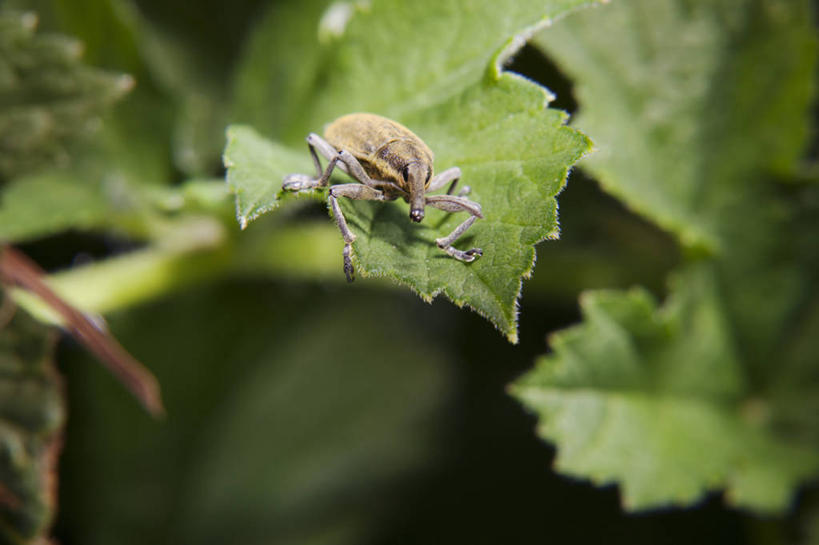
(416, 177)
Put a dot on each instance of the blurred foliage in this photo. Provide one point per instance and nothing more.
(292, 417)
(32, 415)
(691, 91)
(718, 90)
(48, 97)
(657, 400)
(304, 411)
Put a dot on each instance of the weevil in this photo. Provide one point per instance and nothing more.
(389, 161)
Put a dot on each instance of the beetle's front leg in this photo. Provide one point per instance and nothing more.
(317, 145)
(337, 159)
(357, 192)
(451, 203)
(298, 182)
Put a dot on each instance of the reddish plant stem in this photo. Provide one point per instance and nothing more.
(18, 270)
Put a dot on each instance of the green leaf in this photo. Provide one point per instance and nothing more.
(48, 98)
(32, 416)
(255, 168)
(694, 110)
(694, 107)
(656, 400)
(438, 71)
(688, 101)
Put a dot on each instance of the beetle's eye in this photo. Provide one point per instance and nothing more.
(429, 175)
(405, 173)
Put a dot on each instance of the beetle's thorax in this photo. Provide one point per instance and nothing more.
(395, 157)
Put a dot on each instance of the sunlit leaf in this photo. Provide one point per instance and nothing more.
(436, 67)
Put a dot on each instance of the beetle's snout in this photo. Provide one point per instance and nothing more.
(417, 214)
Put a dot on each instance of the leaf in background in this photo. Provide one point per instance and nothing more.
(48, 98)
(656, 400)
(436, 67)
(181, 60)
(691, 129)
(688, 101)
(112, 178)
(32, 415)
(98, 187)
(47, 203)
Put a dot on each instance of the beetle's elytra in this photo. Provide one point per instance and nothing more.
(389, 161)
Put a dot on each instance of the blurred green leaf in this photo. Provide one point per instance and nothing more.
(47, 203)
(48, 97)
(657, 401)
(691, 131)
(687, 101)
(99, 187)
(303, 429)
(437, 70)
(181, 61)
(32, 415)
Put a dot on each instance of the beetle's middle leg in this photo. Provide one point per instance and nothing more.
(359, 192)
(451, 203)
(449, 175)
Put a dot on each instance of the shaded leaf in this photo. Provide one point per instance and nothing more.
(513, 151)
(656, 400)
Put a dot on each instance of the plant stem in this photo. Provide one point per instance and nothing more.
(197, 251)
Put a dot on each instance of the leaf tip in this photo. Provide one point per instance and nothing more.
(334, 21)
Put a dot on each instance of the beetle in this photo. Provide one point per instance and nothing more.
(389, 161)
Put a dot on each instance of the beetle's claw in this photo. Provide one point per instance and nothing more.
(471, 255)
(467, 256)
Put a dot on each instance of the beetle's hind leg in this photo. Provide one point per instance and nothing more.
(358, 192)
(451, 203)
